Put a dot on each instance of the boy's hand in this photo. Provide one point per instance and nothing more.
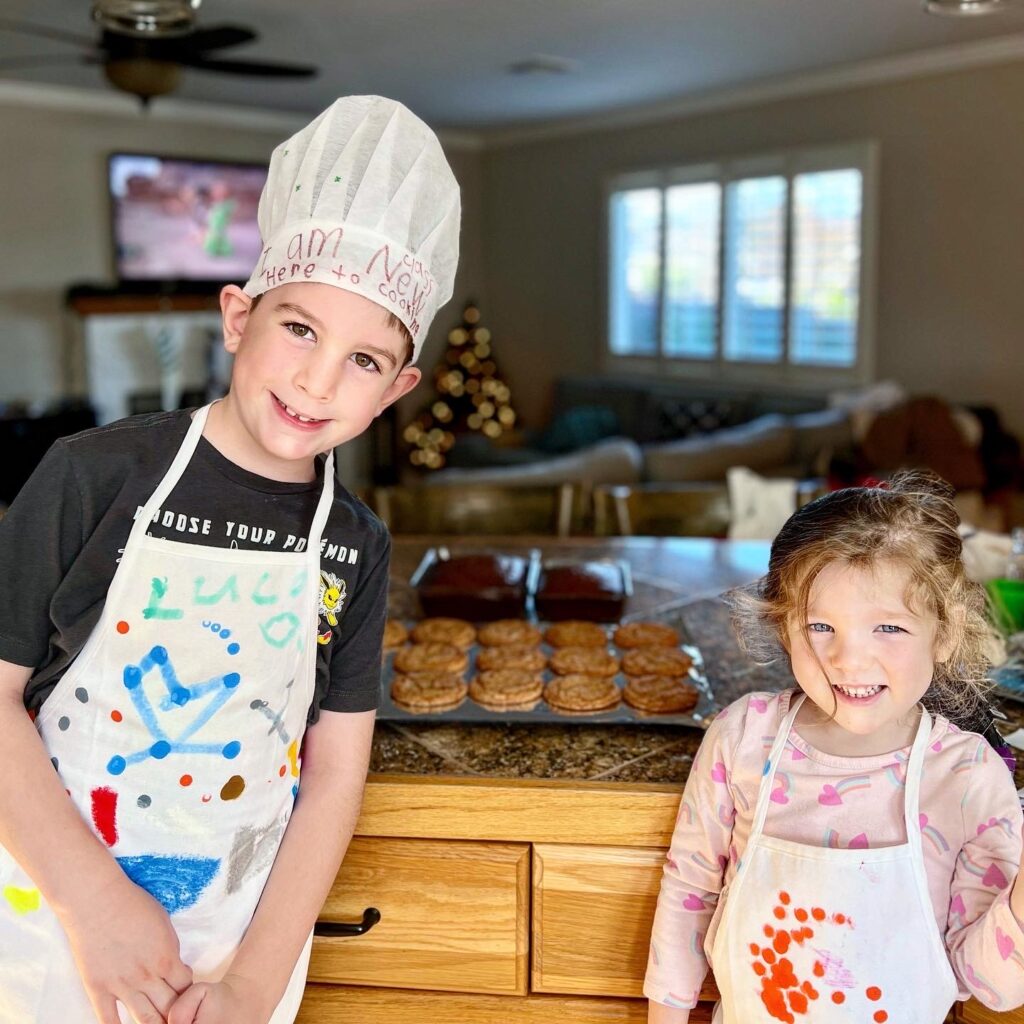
(127, 951)
(228, 1001)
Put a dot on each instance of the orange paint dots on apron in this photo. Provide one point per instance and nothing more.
(775, 1003)
(768, 956)
(784, 898)
(800, 914)
(881, 1016)
(185, 780)
(779, 912)
(123, 627)
(282, 770)
(755, 949)
(759, 968)
(809, 990)
(838, 997)
(782, 974)
(780, 943)
(874, 993)
(819, 969)
(797, 1002)
(769, 931)
(116, 715)
(818, 914)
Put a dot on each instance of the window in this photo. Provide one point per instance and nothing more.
(758, 268)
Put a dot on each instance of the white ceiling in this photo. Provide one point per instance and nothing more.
(447, 59)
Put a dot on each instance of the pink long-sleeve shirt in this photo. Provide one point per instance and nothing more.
(971, 829)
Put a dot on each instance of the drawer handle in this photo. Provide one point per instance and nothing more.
(371, 915)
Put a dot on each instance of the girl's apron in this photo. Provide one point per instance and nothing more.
(176, 732)
(831, 936)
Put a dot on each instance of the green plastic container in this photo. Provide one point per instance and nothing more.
(1007, 600)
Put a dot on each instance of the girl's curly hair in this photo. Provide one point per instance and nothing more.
(911, 521)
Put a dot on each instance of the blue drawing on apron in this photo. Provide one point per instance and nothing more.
(178, 696)
(176, 883)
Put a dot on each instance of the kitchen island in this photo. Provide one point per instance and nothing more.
(516, 866)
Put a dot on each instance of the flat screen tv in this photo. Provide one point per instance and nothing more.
(181, 220)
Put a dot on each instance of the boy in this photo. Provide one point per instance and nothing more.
(172, 686)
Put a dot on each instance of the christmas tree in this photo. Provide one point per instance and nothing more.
(469, 396)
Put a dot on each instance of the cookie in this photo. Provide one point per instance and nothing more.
(430, 658)
(656, 661)
(581, 693)
(660, 694)
(429, 691)
(646, 634)
(456, 632)
(587, 661)
(574, 633)
(520, 656)
(508, 631)
(506, 688)
(395, 634)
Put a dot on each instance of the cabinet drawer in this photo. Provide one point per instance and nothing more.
(592, 912)
(454, 916)
(337, 1004)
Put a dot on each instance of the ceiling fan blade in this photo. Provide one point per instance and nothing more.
(48, 59)
(217, 37)
(45, 32)
(250, 67)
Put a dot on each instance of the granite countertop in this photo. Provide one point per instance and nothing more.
(681, 576)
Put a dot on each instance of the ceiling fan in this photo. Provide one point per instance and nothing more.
(143, 45)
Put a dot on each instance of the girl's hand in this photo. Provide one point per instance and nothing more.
(231, 1000)
(126, 951)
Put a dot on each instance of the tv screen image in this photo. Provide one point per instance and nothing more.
(176, 219)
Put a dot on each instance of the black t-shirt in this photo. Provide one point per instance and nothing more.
(63, 535)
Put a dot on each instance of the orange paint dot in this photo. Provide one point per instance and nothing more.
(807, 933)
(755, 949)
(116, 715)
(123, 627)
(874, 993)
(809, 990)
(819, 969)
(186, 780)
(769, 930)
(881, 1016)
(784, 898)
(768, 956)
(282, 770)
(781, 942)
(782, 974)
(797, 1002)
(818, 914)
(779, 912)
(759, 968)
(838, 997)
(800, 914)
(839, 918)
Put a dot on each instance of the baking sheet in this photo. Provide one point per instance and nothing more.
(469, 711)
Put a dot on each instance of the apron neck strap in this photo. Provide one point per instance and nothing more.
(913, 779)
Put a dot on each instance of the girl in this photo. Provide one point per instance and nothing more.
(843, 851)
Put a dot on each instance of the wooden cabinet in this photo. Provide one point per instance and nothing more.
(503, 903)
(454, 916)
(592, 912)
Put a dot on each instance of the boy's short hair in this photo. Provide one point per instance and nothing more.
(390, 320)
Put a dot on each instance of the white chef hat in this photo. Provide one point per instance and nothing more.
(363, 198)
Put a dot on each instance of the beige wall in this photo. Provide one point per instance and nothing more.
(54, 229)
(950, 299)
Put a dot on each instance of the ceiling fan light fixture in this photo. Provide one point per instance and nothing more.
(964, 8)
(143, 77)
(146, 18)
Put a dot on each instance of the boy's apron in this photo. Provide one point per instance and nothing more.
(831, 936)
(176, 732)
